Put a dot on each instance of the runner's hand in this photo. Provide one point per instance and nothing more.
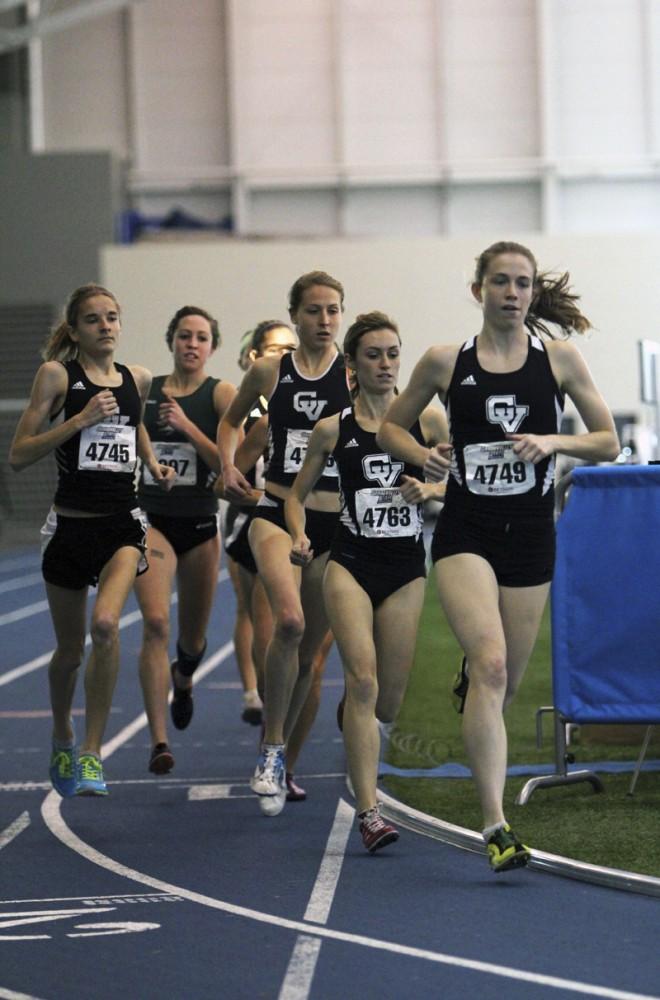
(101, 406)
(236, 486)
(301, 554)
(437, 465)
(164, 477)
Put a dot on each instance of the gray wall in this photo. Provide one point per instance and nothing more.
(57, 210)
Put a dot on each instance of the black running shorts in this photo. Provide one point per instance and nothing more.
(81, 546)
(521, 550)
(185, 533)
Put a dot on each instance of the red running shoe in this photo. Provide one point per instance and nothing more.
(294, 793)
(376, 833)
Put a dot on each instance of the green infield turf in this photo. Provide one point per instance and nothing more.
(612, 829)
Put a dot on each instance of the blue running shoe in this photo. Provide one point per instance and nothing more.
(63, 770)
(90, 776)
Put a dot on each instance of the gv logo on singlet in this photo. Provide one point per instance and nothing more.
(381, 469)
(504, 410)
(307, 403)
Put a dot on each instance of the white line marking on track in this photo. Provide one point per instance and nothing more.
(143, 897)
(11, 995)
(204, 793)
(42, 916)
(118, 927)
(21, 562)
(300, 971)
(18, 583)
(25, 612)
(52, 816)
(13, 830)
(128, 619)
(301, 968)
(323, 893)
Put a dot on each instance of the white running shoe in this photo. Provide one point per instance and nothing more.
(272, 805)
(268, 778)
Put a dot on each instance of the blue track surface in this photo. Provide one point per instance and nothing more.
(179, 887)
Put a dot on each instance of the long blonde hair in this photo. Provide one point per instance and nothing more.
(59, 346)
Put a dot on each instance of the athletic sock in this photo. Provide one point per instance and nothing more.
(490, 830)
(187, 664)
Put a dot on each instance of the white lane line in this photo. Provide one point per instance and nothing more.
(19, 562)
(143, 897)
(18, 583)
(25, 612)
(13, 830)
(11, 995)
(300, 971)
(128, 619)
(323, 893)
(301, 968)
(52, 816)
(140, 722)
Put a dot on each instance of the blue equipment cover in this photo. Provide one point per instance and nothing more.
(606, 597)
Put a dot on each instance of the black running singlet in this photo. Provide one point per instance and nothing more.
(482, 407)
(294, 407)
(96, 467)
(372, 505)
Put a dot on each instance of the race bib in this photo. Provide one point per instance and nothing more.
(495, 470)
(107, 448)
(296, 449)
(180, 456)
(383, 513)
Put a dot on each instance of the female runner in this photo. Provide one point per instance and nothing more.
(99, 536)
(182, 415)
(300, 387)
(374, 580)
(494, 542)
(253, 625)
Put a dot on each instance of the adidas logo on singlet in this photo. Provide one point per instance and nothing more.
(78, 385)
(352, 444)
(470, 380)
(287, 378)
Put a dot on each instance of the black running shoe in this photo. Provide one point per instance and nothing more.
(460, 687)
(161, 760)
(182, 706)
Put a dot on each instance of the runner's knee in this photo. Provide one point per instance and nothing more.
(156, 627)
(105, 629)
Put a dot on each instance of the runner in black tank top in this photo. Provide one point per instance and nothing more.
(182, 416)
(299, 389)
(253, 624)
(494, 542)
(374, 580)
(99, 534)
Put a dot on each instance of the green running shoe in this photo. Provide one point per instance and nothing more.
(505, 851)
(90, 776)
